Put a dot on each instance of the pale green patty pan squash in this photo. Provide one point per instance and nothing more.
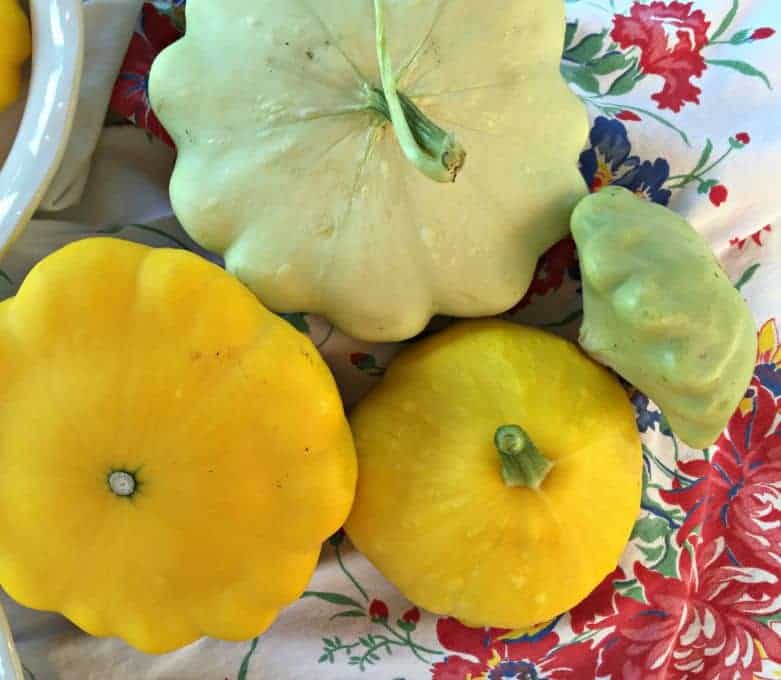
(660, 311)
(300, 163)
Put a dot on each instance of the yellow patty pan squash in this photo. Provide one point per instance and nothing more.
(172, 453)
(15, 48)
(500, 473)
(375, 162)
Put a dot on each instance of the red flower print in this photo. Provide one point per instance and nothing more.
(598, 604)
(743, 137)
(378, 610)
(718, 195)
(763, 34)
(670, 36)
(756, 237)
(736, 497)
(702, 625)
(366, 363)
(409, 619)
(628, 116)
(497, 654)
(130, 98)
(551, 270)
(411, 615)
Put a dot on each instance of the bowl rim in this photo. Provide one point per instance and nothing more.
(58, 55)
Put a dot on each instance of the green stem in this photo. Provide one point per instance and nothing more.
(407, 641)
(685, 183)
(348, 574)
(522, 463)
(413, 649)
(698, 177)
(704, 172)
(620, 107)
(244, 668)
(426, 650)
(374, 648)
(347, 649)
(430, 149)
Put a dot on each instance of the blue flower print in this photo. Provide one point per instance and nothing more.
(609, 162)
(646, 418)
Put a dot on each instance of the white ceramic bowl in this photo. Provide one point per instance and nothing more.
(46, 113)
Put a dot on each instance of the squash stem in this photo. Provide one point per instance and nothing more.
(430, 149)
(122, 483)
(522, 463)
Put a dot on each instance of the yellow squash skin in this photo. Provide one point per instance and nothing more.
(432, 511)
(116, 356)
(15, 48)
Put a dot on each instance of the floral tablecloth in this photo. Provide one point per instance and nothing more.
(684, 112)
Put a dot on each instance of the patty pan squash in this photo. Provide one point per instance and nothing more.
(173, 454)
(377, 163)
(500, 473)
(15, 49)
(660, 310)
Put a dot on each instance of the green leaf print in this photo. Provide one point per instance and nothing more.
(741, 67)
(727, 21)
(747, 276)
(586, 49)
(244, 668)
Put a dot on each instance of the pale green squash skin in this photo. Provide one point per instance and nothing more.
(661, 312)
(285, 170)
